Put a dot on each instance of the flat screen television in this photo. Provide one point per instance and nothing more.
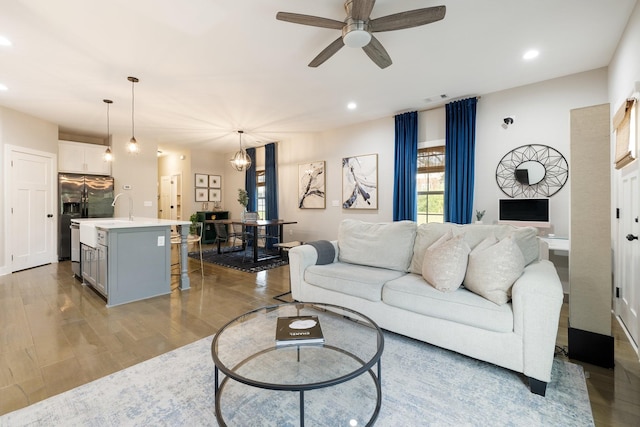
(535, 210)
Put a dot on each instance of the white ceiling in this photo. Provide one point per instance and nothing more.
(210, 67)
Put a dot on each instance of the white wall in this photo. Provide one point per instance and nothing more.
(541, 113)
(375, 137)
(140, 171)
(542, 117)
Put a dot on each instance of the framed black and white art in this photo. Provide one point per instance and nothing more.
(360, 182)
(311, 182)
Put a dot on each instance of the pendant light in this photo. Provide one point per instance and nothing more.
(108, 156)
(241, 160)
(133, 147)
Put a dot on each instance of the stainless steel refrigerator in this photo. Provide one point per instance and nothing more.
(81, 196)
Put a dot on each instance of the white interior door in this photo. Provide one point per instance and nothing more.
(32, 210)
(176, 203)
(165, 197)
(629, 253)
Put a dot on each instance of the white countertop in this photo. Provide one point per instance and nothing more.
(109, 223)
(88, 226)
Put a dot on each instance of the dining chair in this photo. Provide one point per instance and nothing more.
(222, 236)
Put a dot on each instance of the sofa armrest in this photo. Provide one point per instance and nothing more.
(537, 299)
(300, 258)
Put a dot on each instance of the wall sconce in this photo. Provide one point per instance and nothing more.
(507, 121)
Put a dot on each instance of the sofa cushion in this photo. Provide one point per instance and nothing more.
(410, 292)
(357, 280)
(427, 234)
(445, 263)
(492, 270)
(384, 245)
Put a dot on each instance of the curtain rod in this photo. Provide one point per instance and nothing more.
(453, 100)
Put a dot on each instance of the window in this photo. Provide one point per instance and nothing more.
(261, 189)
(430, 184)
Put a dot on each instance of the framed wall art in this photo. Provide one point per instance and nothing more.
(214, 195)
(202, 180)
(202, 194)
(215, 181)
(360, 182)
(311, 185)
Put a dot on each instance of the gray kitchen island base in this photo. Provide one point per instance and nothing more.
(139, 263)
(130, 260)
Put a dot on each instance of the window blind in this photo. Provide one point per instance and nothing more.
(622, 124)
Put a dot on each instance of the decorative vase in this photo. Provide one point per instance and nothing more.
(242, 214)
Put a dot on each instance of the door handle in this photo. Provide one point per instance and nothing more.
(631, 237)
(49, 215)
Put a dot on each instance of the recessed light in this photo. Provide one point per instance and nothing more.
(4, 41)
(3, 87)
(352, 106)
(530, 54)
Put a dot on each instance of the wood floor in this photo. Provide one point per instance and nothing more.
(56, 334)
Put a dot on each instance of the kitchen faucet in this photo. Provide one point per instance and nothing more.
(130, 205)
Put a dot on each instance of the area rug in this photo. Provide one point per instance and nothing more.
(422, 385)
(234, 259)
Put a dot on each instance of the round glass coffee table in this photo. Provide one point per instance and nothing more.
(286, 385)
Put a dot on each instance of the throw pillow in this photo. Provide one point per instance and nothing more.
(492, 270)
(445, 262)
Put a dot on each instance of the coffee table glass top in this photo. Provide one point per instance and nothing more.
(245, 348)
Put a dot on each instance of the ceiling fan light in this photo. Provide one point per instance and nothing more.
(357, 38)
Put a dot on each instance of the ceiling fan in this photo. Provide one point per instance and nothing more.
(357, 28)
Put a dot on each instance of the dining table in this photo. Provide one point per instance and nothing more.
(254, 227)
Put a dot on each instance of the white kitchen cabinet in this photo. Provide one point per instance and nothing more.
(78, 157)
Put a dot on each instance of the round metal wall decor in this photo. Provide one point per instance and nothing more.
(531, 171)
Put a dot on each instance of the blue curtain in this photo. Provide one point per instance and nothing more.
(271, 183)
(459, 161)
(250, 181)
(406, 167)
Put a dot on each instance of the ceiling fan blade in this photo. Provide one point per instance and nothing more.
(361, 9)
(314, 21)
(408, 19)
(327, 53)
(377, 53)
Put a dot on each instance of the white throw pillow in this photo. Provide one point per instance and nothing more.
(492, 270)
(445, 262)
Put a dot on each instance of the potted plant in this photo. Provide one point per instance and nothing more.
(243, 199)
(194, 219)
(479, 215)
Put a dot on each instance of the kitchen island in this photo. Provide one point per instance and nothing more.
(130, 260)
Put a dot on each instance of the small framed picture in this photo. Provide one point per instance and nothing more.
(202, 195)
(214, 195)
(202, 180)
(214, 181)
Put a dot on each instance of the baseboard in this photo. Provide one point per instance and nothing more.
(590, 347)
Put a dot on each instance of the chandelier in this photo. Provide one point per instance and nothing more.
(108, 156)
(133, 147)
(241, 160)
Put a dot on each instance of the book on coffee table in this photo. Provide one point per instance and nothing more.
(298, 330)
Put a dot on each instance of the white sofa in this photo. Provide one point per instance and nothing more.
(375, 269)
